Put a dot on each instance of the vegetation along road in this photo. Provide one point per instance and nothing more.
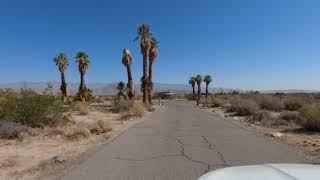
(181, 142)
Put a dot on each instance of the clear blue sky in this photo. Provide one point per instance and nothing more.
(250, 44)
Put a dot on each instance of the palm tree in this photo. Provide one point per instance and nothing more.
(207, 79)
(144, 35)
(126, 61)
(199, 80)
(121, 88)
(192, 82)
(61, 61)
(153, 53)
(83, 63)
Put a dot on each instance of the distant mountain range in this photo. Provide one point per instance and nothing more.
(97, 88)
(111, 88)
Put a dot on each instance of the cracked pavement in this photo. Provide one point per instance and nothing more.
(180, 142)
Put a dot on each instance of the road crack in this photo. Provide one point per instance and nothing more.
(212, 147)
(146, 159)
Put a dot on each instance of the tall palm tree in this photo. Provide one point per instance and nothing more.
(153, 53)
(207, 79)
(199, 80)
(126, 61)
(192, 82)
(144, 34)
(61, 61)
(83, 63)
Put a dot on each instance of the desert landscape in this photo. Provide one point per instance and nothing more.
(156, 90)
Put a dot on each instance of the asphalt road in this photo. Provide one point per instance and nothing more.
(180, 142)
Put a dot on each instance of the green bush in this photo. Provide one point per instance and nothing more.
(32, 109)
(310, 117)
(243, 107)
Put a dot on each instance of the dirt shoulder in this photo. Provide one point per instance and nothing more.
(306, 142)
(50, 152)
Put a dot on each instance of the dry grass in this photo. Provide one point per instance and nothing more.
(310, 118)
(289, 116)
(243, 107)
(138, 109)
(83, 107)
(293, 104)
(105, 126)
(270, 103)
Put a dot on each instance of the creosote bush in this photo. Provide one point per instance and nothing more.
(262, 116)
(310, 117)
(270, 103)
(293, 104)
(121, 105)
(289, 116)
(32, 109)
(243, 107)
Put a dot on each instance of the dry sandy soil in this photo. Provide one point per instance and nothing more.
(51, 149)
(292, 134)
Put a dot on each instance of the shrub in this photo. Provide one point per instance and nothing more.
(243, 107)
(121, 106)
(83, 107)
(138, 109)
(216, 102)
(289, 116)
(310, 117)
(293, 104)
(271, 103)
(32, 109)
(263, 117)
(105, 126)
(9, 130)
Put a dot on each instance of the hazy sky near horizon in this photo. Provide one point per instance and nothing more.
(249, 44)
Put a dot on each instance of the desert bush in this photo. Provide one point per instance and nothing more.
(80, 132)
(138, 109)
(216, 102)
(261, 116)
(243, 107)
(105, 126)
(270, 103)
(293, 104)
(83, 107)
(310, 117)
(32, 109)
(265, 117)
(289, 116)
(9, 130)
(121, 105)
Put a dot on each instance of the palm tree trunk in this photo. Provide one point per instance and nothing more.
(63, 87)
(82, 87)
(199, 94)
(207, 92)
(144, 80)
(150, 88)
(193, 91)
(130, 83)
